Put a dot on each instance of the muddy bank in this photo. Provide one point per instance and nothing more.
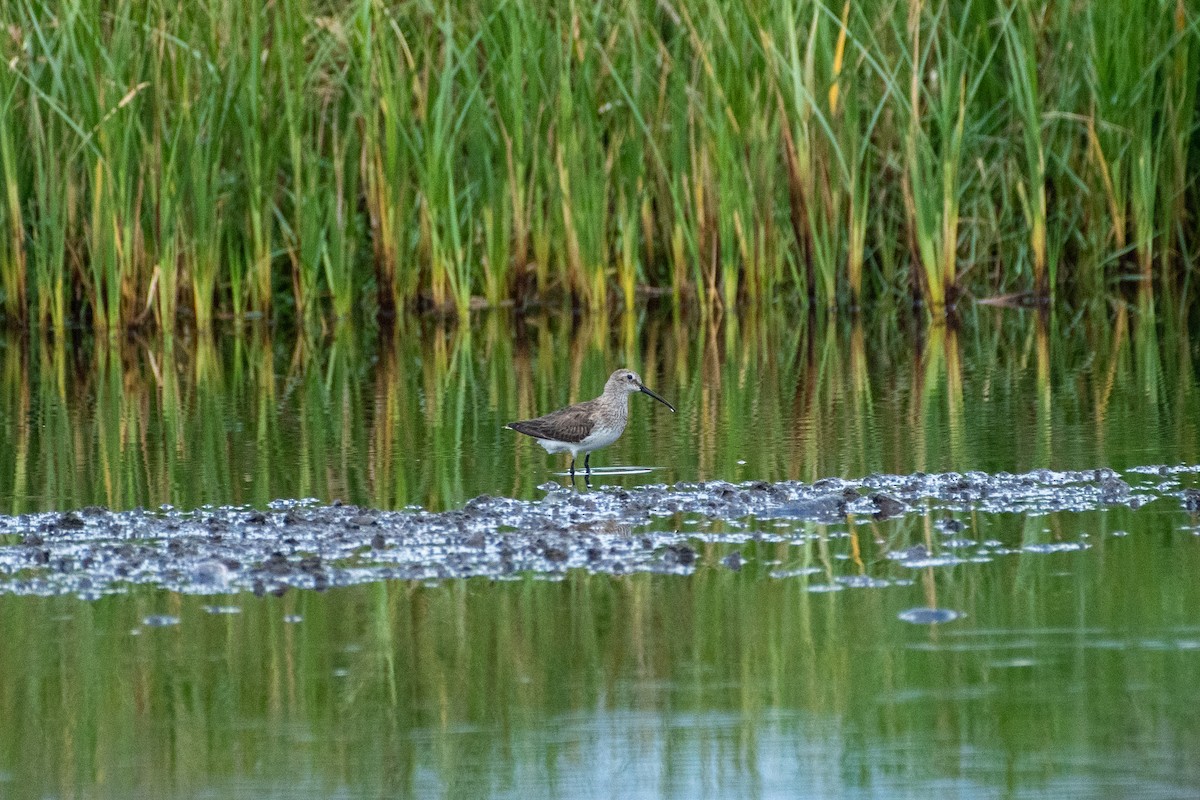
(659, 528)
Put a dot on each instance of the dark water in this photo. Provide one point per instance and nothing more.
(1071, 670)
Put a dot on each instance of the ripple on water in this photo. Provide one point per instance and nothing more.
(222, 609)
(930, 616)
(795, 573)
(1055, 547)
(862, 582)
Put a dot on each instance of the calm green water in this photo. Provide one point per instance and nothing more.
(1072, 674)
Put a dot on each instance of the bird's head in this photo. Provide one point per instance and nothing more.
(628, 381)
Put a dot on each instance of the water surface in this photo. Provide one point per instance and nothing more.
(1071, 668)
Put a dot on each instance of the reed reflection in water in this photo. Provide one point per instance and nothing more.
(1071, 675)
(413, 415)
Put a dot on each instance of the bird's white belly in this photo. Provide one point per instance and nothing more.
(600, 437)
(554, 446)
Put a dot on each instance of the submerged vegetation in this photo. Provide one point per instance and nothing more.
(330, 158)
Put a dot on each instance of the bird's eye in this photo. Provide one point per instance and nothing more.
(629, 376)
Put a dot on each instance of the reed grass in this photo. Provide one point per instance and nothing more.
(323, 160)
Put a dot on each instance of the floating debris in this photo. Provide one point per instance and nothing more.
(950, 525)
(301, 544)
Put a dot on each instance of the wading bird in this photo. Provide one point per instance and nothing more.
(589, 425)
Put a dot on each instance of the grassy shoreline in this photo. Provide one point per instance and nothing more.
(324, 160)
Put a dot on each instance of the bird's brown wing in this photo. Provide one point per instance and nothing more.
(571, 424)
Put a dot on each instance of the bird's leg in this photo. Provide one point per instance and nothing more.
(573, 468)
(586, 465)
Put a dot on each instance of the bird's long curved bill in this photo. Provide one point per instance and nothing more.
(655, 395)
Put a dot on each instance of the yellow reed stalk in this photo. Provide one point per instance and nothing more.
(574, 258)
(1114, 208)
(839, 52)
